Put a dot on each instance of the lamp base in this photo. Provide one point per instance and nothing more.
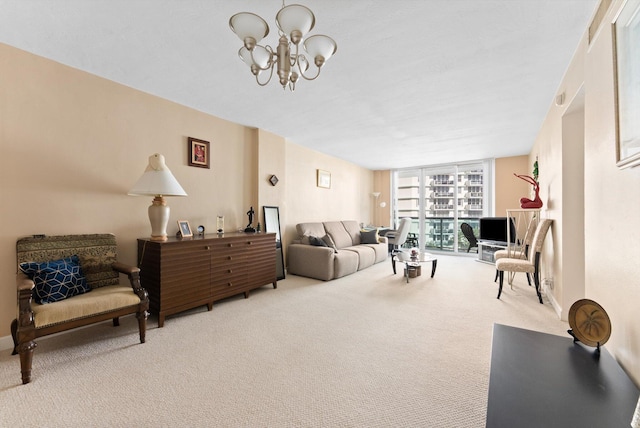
(159, 218)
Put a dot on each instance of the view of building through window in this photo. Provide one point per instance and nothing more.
(439, 199)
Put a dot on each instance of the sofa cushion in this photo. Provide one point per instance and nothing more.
(345, 263)
(353, 229)
(310, 229)
(327, 239)
(100, 300)
(56, 280)
(338, 233)
(366, 255)
(369, 236)
(381, 250)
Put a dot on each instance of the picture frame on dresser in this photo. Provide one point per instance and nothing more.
(185, 229)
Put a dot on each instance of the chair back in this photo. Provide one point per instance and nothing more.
(97, 252)
(403, 231)
(467, 231)
(531, 231)
(538, 238)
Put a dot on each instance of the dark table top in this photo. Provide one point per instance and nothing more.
(543, 380)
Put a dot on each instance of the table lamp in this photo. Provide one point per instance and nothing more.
(157, 181)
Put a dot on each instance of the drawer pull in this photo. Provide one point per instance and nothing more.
(229, 284)
(230, 258)
(230, 245)
(230, 271)
(249, 243)
(207, 247)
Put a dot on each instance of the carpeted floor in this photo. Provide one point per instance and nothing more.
(367, 350)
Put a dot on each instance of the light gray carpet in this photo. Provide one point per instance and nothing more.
(367, 350)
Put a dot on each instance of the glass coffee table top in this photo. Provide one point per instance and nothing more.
(413, 258)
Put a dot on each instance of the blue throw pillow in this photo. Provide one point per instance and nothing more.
(57, 279)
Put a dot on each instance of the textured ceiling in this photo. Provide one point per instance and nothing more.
(413, 82)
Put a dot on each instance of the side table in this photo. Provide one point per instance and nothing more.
(409, 260)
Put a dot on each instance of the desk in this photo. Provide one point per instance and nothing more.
(542, 380)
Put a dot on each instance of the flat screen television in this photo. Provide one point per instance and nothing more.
(494, 229)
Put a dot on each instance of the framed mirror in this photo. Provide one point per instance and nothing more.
(272, 225)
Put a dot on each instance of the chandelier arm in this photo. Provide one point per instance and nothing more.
(294, 58)
(301, 72)
(268, 80)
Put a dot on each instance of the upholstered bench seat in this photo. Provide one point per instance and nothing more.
(98, 301)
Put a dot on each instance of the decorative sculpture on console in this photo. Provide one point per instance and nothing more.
(249, 228)
(526, 202)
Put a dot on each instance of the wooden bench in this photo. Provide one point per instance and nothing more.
(107, 299)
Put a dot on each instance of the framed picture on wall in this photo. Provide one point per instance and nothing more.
(626, 49)
(199, 155)
(324, 179)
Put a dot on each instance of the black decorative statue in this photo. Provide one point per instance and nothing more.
(249, 228)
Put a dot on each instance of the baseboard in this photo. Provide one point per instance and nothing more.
(6, 342)
(554, 303)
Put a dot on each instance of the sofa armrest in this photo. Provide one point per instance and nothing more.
(382, 240)
(25, 321)
(133, 273)
(23, 282)
(311, 261)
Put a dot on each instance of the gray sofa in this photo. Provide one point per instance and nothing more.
(347, 250)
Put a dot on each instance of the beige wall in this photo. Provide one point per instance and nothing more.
(577, 143)
(73, 144)
(509, 189)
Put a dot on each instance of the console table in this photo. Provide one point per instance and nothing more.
(181, 274)
(487, 248)
(543, 380)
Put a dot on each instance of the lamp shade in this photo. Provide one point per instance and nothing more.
(246, 24)
(157, 180)
(261, 56)
(295, 17)
(320, 45)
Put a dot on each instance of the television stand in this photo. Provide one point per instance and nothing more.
(486, 249)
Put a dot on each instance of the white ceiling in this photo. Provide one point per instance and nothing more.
(413, 82)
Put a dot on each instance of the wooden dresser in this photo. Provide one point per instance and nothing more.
(181, 274)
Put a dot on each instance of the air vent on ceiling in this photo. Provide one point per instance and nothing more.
(597, 19)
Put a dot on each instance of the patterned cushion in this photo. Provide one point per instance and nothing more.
(57, 279)
(369, 236)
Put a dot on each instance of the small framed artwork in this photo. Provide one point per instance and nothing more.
(626, 48)
(199, 155)
(324, 179)
(185, 229)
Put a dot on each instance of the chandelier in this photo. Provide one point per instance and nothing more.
(294, 22)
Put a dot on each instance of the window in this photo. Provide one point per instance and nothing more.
(440, 198)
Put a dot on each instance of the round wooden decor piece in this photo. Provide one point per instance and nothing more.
(589, 322)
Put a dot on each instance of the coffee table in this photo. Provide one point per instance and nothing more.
(405, 256)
